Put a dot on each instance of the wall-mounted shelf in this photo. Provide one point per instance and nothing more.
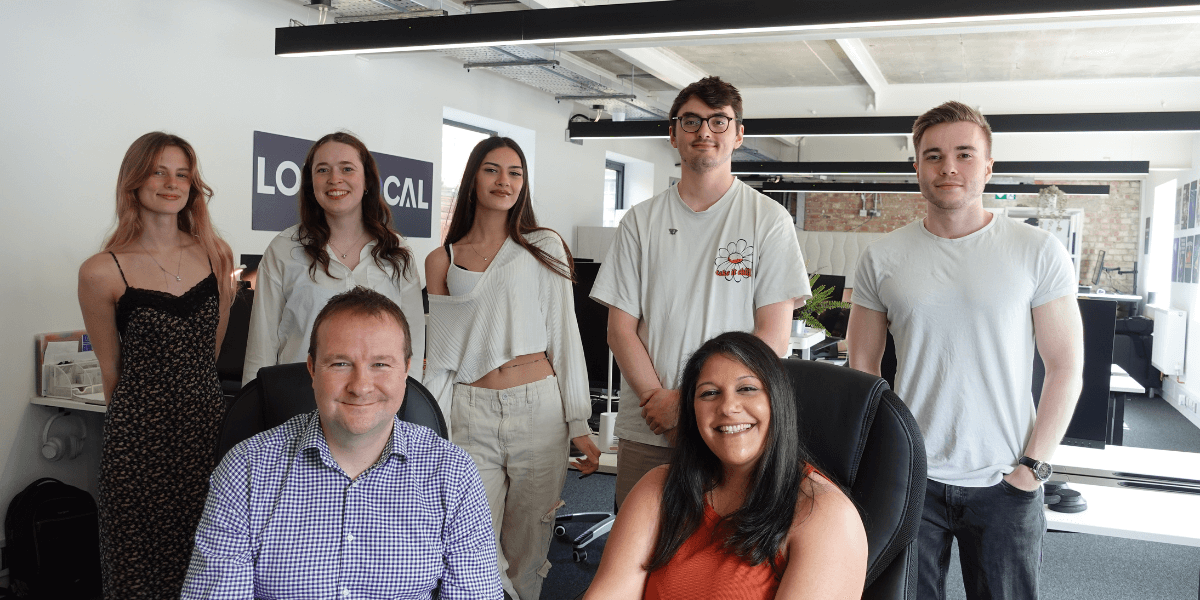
(68, 403)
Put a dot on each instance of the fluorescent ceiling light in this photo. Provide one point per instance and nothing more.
(649, 21)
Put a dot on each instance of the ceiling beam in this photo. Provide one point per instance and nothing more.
(664, 64)
(860, 57)
(815, 126)
(656, 22)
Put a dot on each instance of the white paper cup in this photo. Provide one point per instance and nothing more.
(608, 421)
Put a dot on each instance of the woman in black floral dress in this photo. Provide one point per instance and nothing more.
(155, 302)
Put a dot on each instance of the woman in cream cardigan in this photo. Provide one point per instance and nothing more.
(505, 358)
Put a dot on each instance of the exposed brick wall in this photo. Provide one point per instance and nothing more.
(839, 212)
(1110, 223)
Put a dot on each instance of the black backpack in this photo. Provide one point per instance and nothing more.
(53, 535)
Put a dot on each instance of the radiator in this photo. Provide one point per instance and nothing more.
(1170, 331)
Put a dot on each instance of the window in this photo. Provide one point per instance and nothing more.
(614, 192)
(458, 139)
(1158, 260)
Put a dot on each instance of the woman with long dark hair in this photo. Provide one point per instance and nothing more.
(155, 303)
(344, 239)
(741, 511)
(505, 358)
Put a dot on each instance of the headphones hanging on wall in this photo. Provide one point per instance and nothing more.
(71, 446)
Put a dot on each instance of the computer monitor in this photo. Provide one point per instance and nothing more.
(1099, 270)
(593, 329)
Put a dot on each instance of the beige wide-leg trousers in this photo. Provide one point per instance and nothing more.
(518, 440)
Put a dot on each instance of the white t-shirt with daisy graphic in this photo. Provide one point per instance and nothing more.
(690, 276)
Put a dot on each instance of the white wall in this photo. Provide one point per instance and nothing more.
(82, 79)
(1186, 297)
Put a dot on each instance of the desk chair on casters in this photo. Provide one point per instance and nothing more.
(861, 434)
(284, 391)
(602, 523)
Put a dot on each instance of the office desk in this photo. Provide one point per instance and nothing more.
(1112, 297)
(1133, 514)
(1119, 484)
(805, 342)
(68, 404)
(1120, 385)
(608, 460)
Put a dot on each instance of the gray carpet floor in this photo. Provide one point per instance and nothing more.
(1074, 565)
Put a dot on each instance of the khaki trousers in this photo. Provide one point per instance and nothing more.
(635, 459)
(518, 440)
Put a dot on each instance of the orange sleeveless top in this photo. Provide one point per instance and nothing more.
(701, 568)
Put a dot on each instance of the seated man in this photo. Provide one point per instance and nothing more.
(348, 501)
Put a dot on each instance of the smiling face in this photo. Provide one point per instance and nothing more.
(733, 412)
(953, 164)
(338, 181)
(359, 373)
(499, 180)
(704, 150)
(166, 190)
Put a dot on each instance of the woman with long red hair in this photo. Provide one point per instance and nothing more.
(155, 302)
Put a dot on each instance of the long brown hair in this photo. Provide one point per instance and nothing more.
(136, 168)
(521, 219)
(313, 233)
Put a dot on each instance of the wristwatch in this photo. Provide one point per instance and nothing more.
(1041, 470)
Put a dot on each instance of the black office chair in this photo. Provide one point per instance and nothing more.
(284, 391)
(861, 434)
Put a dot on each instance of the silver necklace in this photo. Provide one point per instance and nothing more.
(335, 248)
(166, 272)
(487, 258)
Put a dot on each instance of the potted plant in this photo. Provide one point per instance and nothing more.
(816, 305)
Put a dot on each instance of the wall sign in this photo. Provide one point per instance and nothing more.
(407, 186)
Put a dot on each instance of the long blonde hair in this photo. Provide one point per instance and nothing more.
(136, 168)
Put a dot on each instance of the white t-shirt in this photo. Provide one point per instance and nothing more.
(690, 276)
(960, 312)
(287, 300)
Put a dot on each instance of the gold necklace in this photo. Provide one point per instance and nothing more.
(166, 272)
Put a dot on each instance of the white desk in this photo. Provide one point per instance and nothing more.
(805, 342)
(1134, 514)
(69, 404)
(1113, 297)
(1120, 385)
(1115, 463)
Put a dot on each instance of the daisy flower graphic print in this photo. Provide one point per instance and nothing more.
(735, 261)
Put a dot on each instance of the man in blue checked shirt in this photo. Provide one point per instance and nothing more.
(347, 502)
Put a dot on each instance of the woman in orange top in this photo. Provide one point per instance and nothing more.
(739, 513)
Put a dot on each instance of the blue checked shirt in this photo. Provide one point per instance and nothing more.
(282, 520)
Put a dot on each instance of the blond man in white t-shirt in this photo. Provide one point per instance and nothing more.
(965, 293)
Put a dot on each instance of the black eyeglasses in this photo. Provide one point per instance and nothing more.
(716, 123)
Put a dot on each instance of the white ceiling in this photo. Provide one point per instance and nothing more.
(1141, 62)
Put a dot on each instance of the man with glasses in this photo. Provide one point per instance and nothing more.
(707, 256)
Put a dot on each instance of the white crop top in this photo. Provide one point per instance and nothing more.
(460, 281)
(518, 306)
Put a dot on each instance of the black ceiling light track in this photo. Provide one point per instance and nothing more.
(1184, 121)
(912, 188)
(1000, 168)
(678, 19)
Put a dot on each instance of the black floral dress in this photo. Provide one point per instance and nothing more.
(159, 433)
